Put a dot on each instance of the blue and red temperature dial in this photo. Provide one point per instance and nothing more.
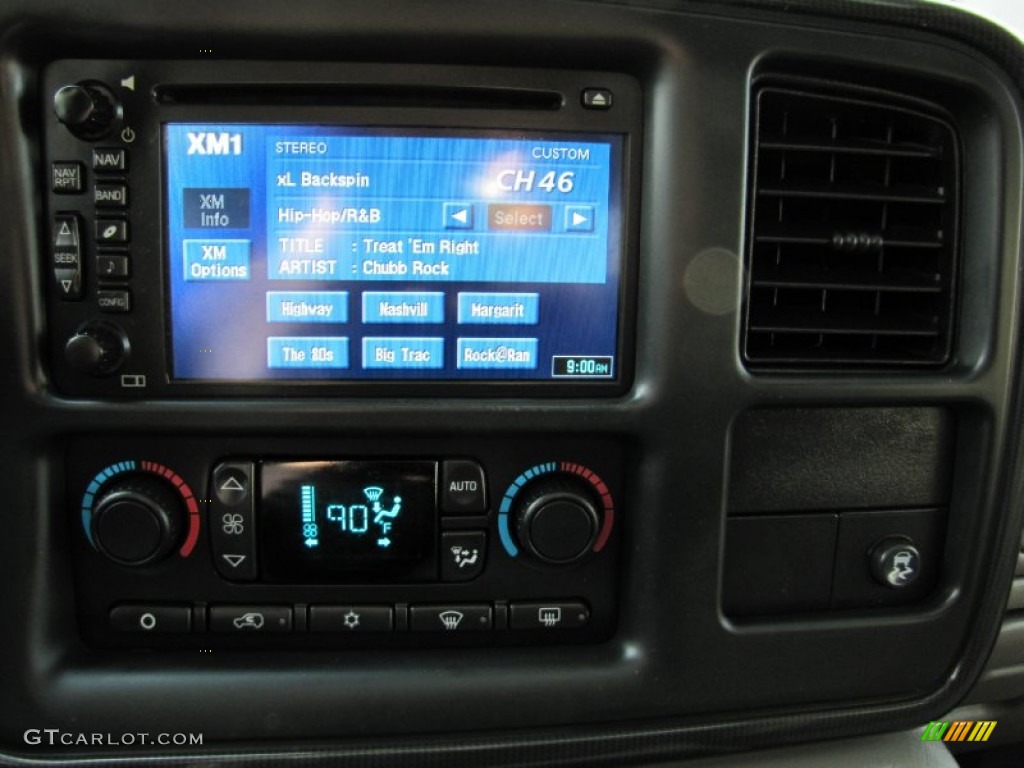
(559, 512)
(137, 512)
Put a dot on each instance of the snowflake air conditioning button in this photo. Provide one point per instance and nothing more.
(232, 521)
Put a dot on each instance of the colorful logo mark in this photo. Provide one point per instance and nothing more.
(959, 730)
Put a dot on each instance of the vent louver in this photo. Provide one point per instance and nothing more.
(853, 246)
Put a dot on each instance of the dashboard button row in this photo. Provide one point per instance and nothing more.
(353, 619)
(110, 195)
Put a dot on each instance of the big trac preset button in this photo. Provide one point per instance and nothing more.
(232, 521)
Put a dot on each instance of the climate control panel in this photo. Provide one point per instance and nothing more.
(321, 542)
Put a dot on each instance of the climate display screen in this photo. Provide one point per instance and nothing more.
(320, 520)
(322, 252)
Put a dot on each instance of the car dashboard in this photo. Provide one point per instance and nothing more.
(538, 383)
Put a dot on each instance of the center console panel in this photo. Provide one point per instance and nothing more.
(317, 543)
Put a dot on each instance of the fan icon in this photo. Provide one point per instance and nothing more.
(233, 524)
(351, 620)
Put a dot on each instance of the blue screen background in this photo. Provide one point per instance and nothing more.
(274, 277)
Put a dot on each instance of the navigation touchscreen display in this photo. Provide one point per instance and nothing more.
(327, 252)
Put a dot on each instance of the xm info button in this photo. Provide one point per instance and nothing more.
(524, 218)
(497, 354)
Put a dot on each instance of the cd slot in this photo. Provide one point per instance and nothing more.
(306, 94)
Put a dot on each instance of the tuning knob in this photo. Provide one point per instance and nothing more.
(557, 520)
(98, 348)
(137, 521)
(88, 109)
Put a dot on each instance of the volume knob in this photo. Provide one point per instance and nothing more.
(98, 348)
(88, 109)
(137, 521)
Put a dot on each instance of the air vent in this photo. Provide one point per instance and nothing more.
(852, 254)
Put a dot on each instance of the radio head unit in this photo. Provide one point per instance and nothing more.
(378, 230)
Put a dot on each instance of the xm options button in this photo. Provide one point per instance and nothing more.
(400, 353)
(216, 259)
(497, 354)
